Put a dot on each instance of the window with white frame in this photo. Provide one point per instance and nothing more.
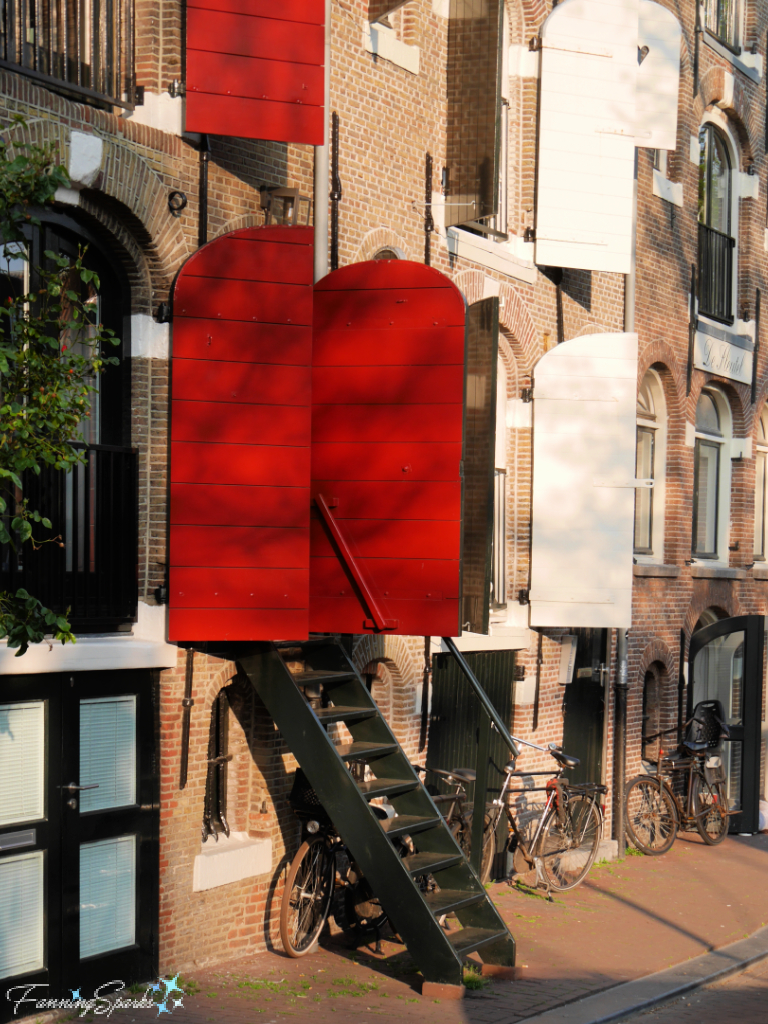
(760, 485)
(711, 475)
(723, 19)
(650, 464)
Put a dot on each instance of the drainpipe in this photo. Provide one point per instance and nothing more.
(322, 175)
(621, 688)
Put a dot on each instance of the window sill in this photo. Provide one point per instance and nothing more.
(382, 42)
(669, 191)
(749, 64)
(231, 859)
(717, 572)
(144, 648)
(657, 571)
(760, 572)
(499, 256)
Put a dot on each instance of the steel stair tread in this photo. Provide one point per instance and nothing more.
(469, 939)
(445, 901)
(344, 714)
(321, 675)
(427, 863)
(386, 787)
(408, 824)
(361, 750)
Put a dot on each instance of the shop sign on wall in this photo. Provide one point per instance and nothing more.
(728, 355)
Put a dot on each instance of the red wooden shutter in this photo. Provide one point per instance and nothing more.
(240, 437)
(387, 412)
(255, 69)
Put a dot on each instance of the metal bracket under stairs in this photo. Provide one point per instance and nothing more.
(415, 911)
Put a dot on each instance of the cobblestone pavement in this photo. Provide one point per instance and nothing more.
(742, 998)
(627, 920)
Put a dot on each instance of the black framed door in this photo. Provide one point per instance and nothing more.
(725, 663)
(79, 818)
(584, 706)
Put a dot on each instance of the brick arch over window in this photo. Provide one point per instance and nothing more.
(715, 90)
(659, 356)
(127, 180)
(716, 594)
(657, 650)
(738, 397)
(380, 238)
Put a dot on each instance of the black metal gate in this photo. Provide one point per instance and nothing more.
(454, 728)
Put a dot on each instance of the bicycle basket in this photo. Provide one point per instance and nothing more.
(706, 727)
(714, 771)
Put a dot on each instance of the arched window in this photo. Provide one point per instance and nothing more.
(650, 464)
(716, 241)
(760, 485)
(711, 475)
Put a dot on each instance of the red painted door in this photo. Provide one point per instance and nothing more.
(387, 416)
(240, 438)
(255, 69)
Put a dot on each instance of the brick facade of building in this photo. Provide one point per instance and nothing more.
(390, 119)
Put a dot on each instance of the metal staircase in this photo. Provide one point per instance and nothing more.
(321, 669)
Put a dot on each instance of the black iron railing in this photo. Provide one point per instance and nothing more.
(91, 567)
(716, 274)
(84, 46)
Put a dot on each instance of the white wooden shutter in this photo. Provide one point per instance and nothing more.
(658, 77)
(587, 135)
(583, 482)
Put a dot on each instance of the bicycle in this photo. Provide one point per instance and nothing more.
(459, 820)
(653, 811)
(322, 871)
(567, 837)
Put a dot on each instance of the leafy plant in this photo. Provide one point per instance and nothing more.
(51, 351)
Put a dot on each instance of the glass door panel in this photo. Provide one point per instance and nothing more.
(107, 895)
(21, 914)
(108, 752)
(22, 761)
(718, 674)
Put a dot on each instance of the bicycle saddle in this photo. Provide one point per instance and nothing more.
(465, 774)
(564, 759)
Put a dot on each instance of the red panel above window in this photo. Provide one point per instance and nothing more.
(255, 69)
(387, 417)
(240, 438)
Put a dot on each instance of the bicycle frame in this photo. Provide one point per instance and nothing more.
(693, 766)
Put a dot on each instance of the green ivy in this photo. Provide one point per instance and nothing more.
(51, 350)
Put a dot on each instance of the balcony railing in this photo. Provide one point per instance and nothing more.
(84, 47)
(91, 569)
(716, 274)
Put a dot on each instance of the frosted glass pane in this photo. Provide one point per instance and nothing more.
(22, 761)
(107, 895)
(21, 913)
(108, 752)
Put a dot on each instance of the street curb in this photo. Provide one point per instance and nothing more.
(622, 1000)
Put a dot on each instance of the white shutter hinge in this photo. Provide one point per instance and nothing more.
(526, 395)
(623, 483)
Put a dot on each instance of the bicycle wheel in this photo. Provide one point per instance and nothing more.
(462, 833)
(650, 815)
(710, 807)
(307, 897)
(567, 848)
